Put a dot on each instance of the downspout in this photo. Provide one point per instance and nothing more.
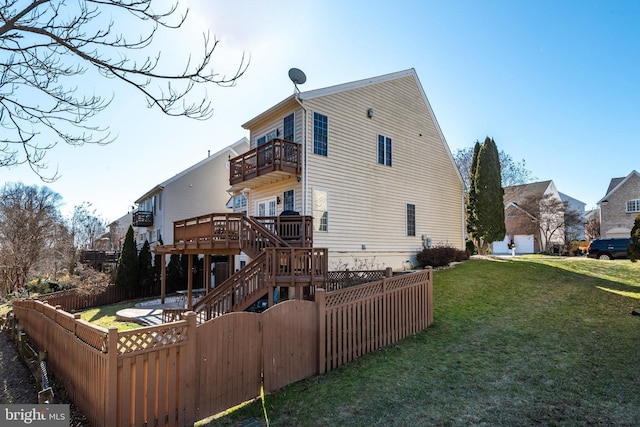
(305, 185)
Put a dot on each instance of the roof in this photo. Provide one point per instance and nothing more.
(518, 193)
(159, 187)
(312, 94)
(617, 183)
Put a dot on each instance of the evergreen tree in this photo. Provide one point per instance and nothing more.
(145, 269)
(634, 247)
(174, 272)
(471, 196)
(127, 271)
(489, 195)
(158, 263)
(184, 271)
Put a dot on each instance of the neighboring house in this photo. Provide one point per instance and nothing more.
(620, 206)
(527, 234)
(114, 238)
(367, 160)
(198, 190)
(575, 231)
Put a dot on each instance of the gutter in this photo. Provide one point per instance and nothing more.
(305, 185)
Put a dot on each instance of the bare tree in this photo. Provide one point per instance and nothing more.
(548, 217)
(592, 228)
(86, 226)
(511, 172)
(29, 220)
(47, 48)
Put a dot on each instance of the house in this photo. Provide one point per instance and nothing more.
(620, 206)
(198, 189)
(576, 231)
(535, 216)
(367, 160)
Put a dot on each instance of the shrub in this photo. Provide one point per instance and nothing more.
(440, 256)
(471, 248)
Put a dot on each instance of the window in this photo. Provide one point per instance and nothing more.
(240, 204)
(289, 201)
(384, 150)
(320, 211)
(320, 134)
(266, 207)
(288, 133)
(633, 205)
(411, 219)
(266, 138)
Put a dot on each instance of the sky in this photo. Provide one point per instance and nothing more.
(555, 83)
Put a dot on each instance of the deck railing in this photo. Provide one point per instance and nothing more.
(294, 229)
(275, 155)
(235, 231)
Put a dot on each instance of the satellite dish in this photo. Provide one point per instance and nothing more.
(297, 76)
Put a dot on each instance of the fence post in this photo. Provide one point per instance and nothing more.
(111, 396)
(189, 388)
(388, 272)
(430, 298)
(385, 308)
(321, 301)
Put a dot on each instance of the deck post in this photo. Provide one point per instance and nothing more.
(207, 273)
(190, 281)
(163, 278)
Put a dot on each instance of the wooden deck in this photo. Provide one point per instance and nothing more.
(272, 161)
(230, 233)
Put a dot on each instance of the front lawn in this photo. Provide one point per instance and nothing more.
(527, 341)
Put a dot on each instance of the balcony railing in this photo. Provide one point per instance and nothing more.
(142, 219)
(275, 158)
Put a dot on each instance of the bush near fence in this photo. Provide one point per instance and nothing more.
(178, 373)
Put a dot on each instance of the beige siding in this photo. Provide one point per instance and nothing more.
(367, 201)
(275, 190)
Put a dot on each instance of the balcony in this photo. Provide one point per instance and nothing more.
(275, 160)
(142, 219)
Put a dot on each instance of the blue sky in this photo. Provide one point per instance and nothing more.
(555, 83)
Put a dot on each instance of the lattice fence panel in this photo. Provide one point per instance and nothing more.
(149, 339)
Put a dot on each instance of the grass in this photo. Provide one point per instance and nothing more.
(105, 315)
(527, 341)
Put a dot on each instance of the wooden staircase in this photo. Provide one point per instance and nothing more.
(276, 263)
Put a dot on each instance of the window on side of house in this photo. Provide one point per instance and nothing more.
(384, 150)
(633, 205)
(240, 204)
(289, 200)
(288, 128)
(411, 219)
(320, 134)
(320, 211)
(266, 138)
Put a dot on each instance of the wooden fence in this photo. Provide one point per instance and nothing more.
(79, 299)
(177, 373)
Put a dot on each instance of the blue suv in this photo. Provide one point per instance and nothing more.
(609, 248)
